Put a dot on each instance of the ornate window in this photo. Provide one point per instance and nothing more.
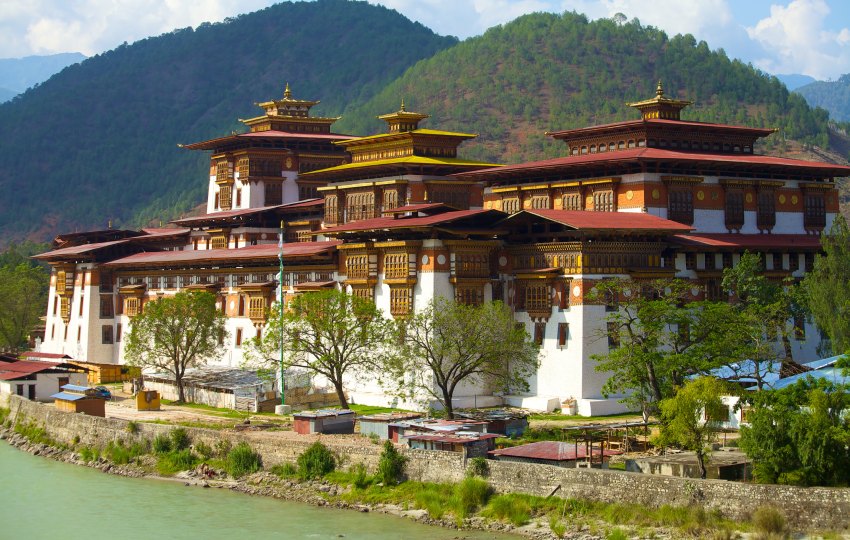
(273, 193)
(331, 210)
(106, 306)
(511, 205)
(390, 199)
(537, 297)
(680, 205)
(224, 196)
(540, 201)
(223, 171)
(472, 265)
(400, 301)
(132, 306)
(603, 201)
(257, 308)
(357, 266)
(452, 196)
(539, 333)
(219, 242)
(572, 201)
(814, 211)
(396, 265)
(364, 293)
(734, 208)
(360, 206)
(471, 295)
(766, 216)
(65, 308)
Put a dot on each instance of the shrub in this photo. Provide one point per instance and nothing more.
(285, 470)
(359, 477)
(117, 453)
(76, 440)
(478, 466)
(471, 494)
(242, 460)
(512, 508)
(162, 444)
(87, 453)
(222, 448)
(179, 439)
(616, 534)
(316, 461)
(390, 465)
(557, 526)
(177, 460)
(132, 427)
(768, 521)
(374, 438)
(431, 502)
(204, 450)
(4, 414)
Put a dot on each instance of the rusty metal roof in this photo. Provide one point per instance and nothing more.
(550, 451)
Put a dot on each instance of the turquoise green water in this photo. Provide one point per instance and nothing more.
(44, 499)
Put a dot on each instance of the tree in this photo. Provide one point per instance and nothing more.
(827, 287)
(692, 418)
(662, 338)
(23, 295)
(799, 435)
(449, 343)
(175, 333)
(329, 333)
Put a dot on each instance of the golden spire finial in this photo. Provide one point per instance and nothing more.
(402, 104)
(287, 94)
(109, 224)
(659, 91)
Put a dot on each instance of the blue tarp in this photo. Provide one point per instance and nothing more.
(67, 396)
(75, 388)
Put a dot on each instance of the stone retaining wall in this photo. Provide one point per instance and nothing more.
(819, 508)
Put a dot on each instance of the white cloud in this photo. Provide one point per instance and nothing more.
(93, 26)
(797, 41)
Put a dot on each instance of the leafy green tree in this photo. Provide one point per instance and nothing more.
(23, 295)
(663, 339)
(328, 333)
(449, 343)
(693, 417)
(173, 333)
(827, 286)
(799, 435)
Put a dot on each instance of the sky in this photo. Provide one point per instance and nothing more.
(810, 37)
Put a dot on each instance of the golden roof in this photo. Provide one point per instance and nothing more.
(405, 160)
(660, 106)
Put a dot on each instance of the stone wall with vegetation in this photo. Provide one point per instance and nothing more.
(821, 508)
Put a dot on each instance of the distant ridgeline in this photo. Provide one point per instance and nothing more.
(834, 96)
(99, 140)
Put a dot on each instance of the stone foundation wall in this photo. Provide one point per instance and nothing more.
(821, 508)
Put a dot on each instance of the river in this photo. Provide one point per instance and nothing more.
(45, 499)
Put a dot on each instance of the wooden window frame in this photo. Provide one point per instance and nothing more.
(563, 335)
(106, 334)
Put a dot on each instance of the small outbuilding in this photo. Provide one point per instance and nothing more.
(510, 422)
(329, 421)
(399, 430)
(557, 453)
(379, 424)
(470, 444)
(147, 400)
(721, 465)
(222, 387)
(80, 399)
(37, 380)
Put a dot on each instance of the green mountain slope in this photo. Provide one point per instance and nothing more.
(98, 141)
(548, 72)
(834, 96)
(18, 74)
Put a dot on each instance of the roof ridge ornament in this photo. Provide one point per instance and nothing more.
(287, 93)
(659, 90)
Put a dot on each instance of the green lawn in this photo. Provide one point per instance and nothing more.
(363, 410)
(225, 413)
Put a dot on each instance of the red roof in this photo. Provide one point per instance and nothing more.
(261, 251)
(383, 223)
(419, 207)
(454, 438)
(752, 241)
(80, 249)
(656, 154)
(23, 368)
(166, 231)
(549, 450)
(270, 134)
(38, 355)
(702, 126)
(589, 221)
(227, 214)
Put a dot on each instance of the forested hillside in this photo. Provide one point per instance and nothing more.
(548, 72)
(98, 141)
(834, 96)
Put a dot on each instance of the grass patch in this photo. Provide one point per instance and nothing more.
(193, 424)
(511, 507)
(88, 454)
(285, 470)
(242, 460)
(176, 461)
(118, 453)
(35, 433)
(4, 414)
(363, 410)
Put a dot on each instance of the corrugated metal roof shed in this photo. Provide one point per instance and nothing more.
(65, 396)
(550, 451)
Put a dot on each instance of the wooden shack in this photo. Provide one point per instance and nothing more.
(379, 424)
(331, 421)
(470, 444)
(80, 399)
